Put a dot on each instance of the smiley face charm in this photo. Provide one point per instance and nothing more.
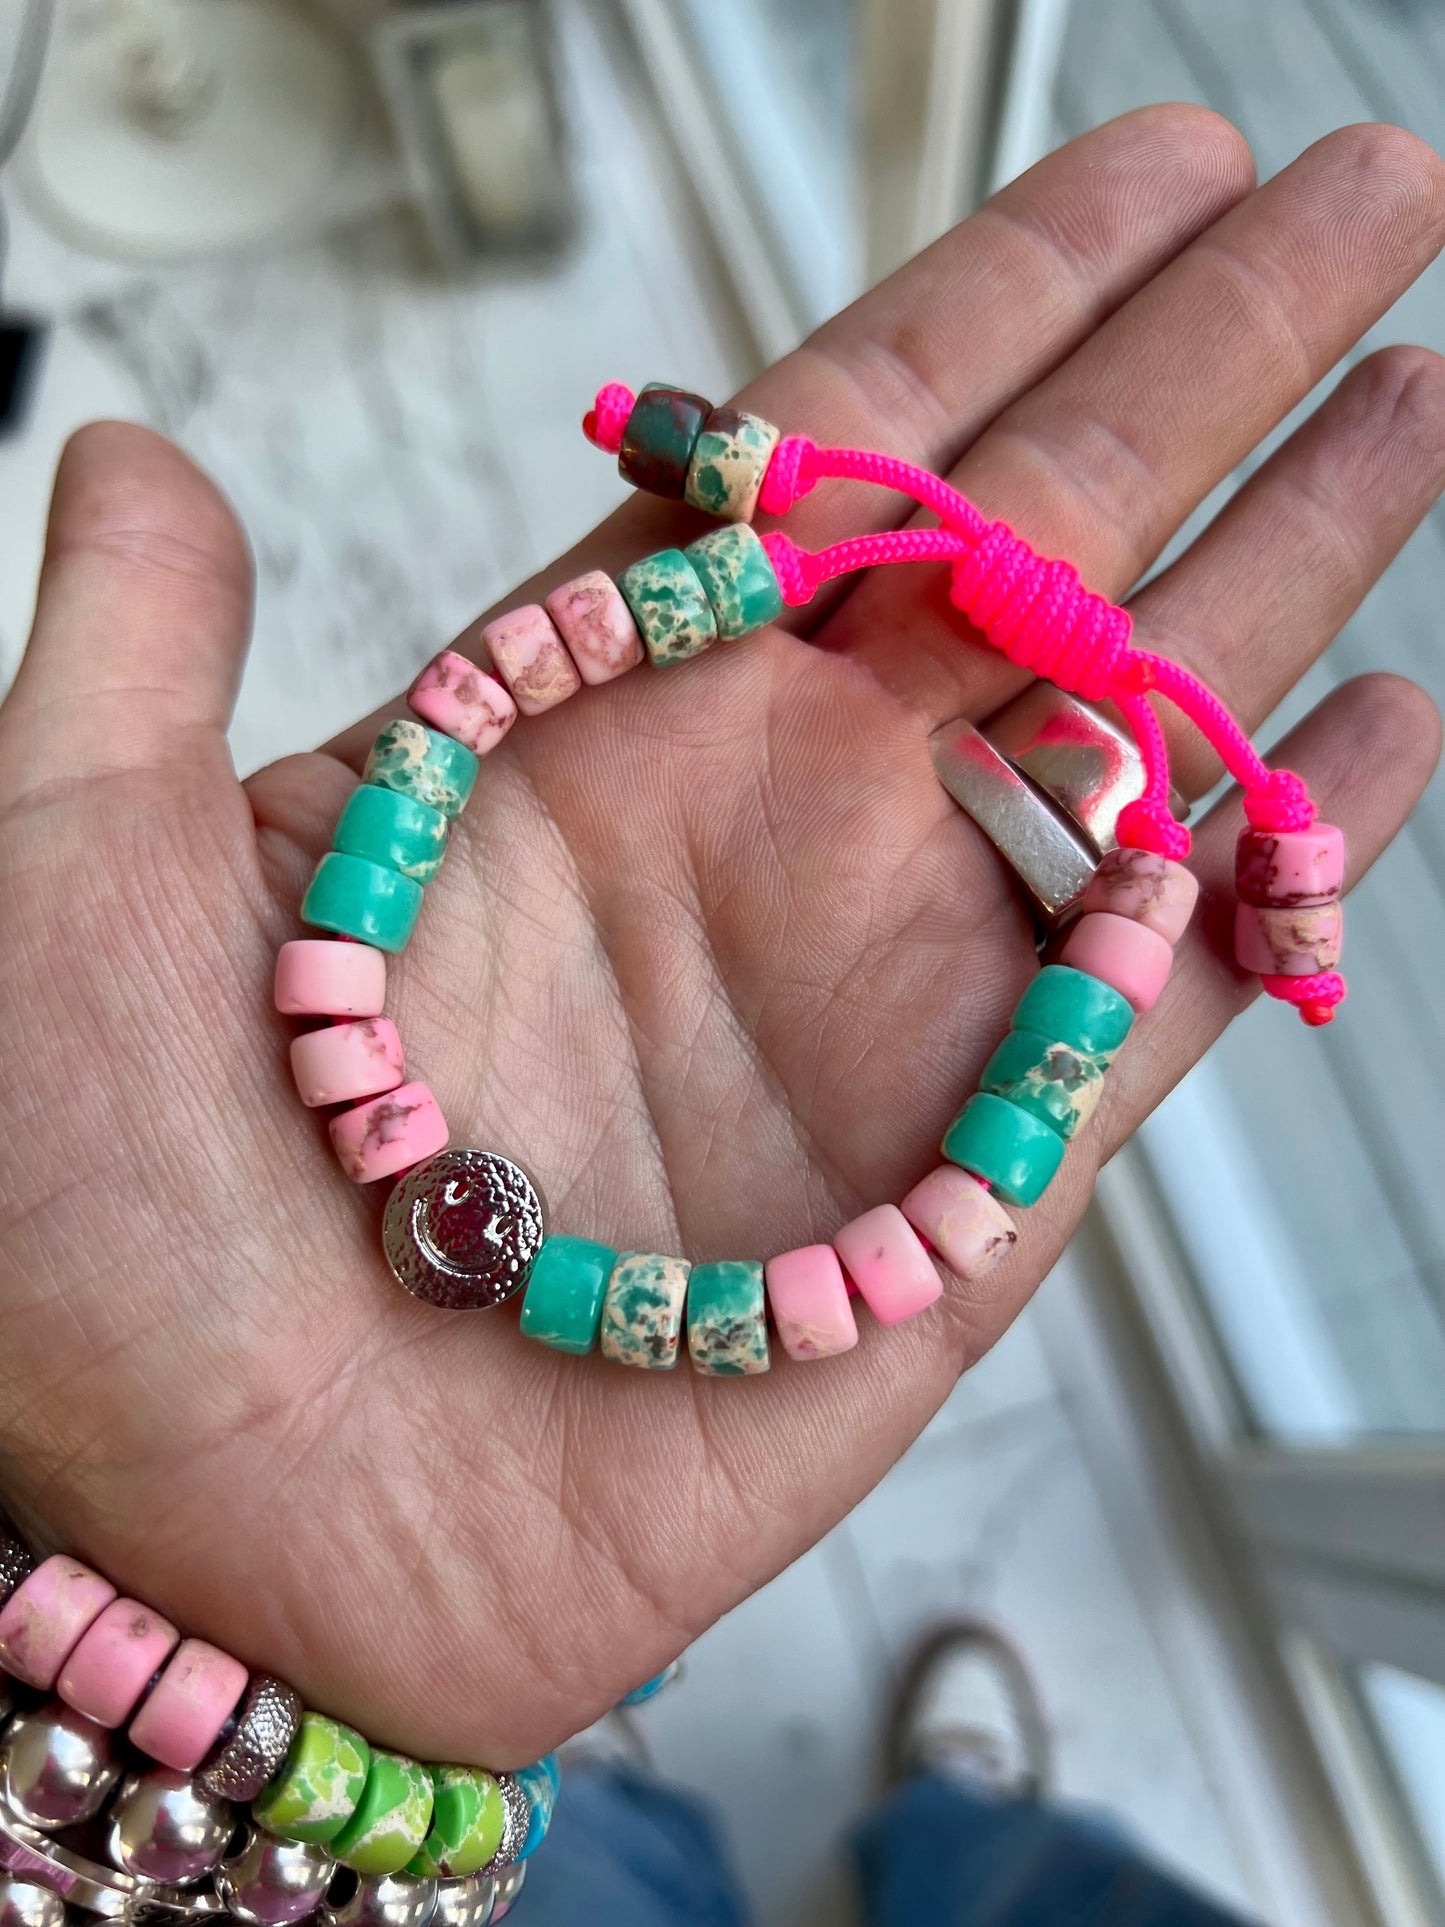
(462, 1229)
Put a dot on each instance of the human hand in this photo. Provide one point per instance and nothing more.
(712, 954)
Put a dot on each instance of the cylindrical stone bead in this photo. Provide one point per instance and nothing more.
(809, 1298)
(394, 830)
(391, 1820)
(319, 1783)
(568, 1282)
(670, 607)
(1076, 1008)
(729, 464)
(1016, 1152)
(1129, 957)
(594, 621)
(1288, 943)
(659, 439)
(642, 1310)
(882, 1255)
(347, 1061)
(46, 1616)
(964, 1223)
(117, 1658)
(317, 977)
(463, 702)
(388, 1134)
(531, 658)
(738, 579)
(422, 763)
(466, 1824)
(540, 1784)
(188, 1705)
(364, 900)
(1054, 1081)
(1287, 869)
(1145, 887)
(727, 1319)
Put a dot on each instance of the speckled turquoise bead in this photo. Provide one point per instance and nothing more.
(540, 1783)
(730, 463)
(319, 1783)
(395, 830)
(1074, 1008)
(392, 1817)
(669, 606)
(1015, 1151)
(738, 579)
(642, 1311)
(563, 1305)
(1054, 1081)
(727, 1322)
(423, 764)
(364, 900)
(659, 438)
(466, 1824)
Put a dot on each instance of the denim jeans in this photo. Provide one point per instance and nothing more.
(625, 1851)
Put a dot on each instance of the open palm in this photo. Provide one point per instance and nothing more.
(712, 955)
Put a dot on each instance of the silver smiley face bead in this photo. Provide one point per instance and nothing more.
(462, 1229)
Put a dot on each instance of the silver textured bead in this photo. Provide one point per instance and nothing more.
(465, 1903)
(509, 1887)
(25, 1903)
(17, 1562)
(240, 1764)
(272, 1883)
(462, 1229)
(382, 1900)
(518, 1824)
(57, 1767)
(163, 1827)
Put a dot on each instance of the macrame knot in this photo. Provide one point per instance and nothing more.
(606, 420)
(1146, 825)
(1315, 998)
(798, 572)
(1040, 614)
(1281, 802)
(792, 474)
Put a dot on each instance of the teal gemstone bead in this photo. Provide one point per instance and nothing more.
(1015, 1151)
(738, 579)
(659, 438)
(727, 1322)
(423, 764)
(1054, 1081)
(669, 605)
(1075, 1009)
(563, 1305)
(386, 827)
(362, 900)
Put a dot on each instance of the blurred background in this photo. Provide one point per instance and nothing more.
(368, 264)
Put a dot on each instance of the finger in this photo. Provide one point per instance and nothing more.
(1103, 460)
(1281, 570)
(920, 363)
(141, 619)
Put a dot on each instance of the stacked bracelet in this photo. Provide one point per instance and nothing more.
(466, 1228)
(226, 1794)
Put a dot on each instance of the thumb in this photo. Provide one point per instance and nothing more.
(142, 617)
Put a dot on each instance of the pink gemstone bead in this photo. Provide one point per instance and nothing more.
(809, 1298)
(192, 1700)
(1146, 888)
(597, 627)
(463, 702)
(115, 1662)
(890, 1267)
(531, 659)
(324, 978)
(961, 1219)
(45, 1616)
(346, 1061)
(1288, 943)
(1128, 956)
(389, 1133)
(1286, 868)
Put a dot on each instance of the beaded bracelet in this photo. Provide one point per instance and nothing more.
(466, 1228)
(246, 1803)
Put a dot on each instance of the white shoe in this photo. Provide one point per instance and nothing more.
(967, 1709)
